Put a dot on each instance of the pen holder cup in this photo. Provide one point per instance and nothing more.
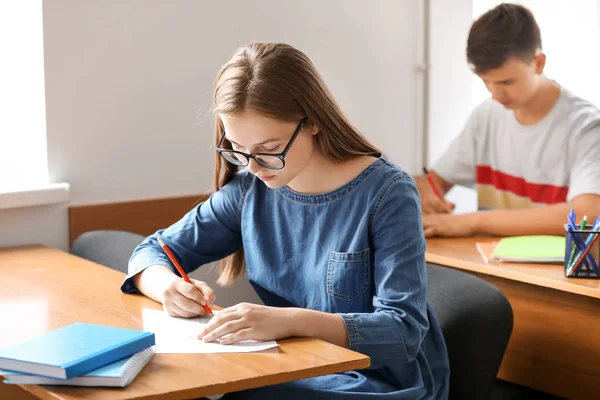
(582, 253)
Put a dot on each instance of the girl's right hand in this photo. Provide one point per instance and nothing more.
(181, 299)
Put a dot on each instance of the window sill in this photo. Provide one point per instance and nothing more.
(51, 193)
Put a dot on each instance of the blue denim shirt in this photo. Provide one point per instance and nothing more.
(357, 251)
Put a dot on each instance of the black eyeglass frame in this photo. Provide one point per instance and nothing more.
(247, 156)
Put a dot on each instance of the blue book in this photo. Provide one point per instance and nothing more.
(117, 374)
(74, 350)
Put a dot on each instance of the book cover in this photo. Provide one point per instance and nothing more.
(535, 248)
(74, 350)
(117, 374)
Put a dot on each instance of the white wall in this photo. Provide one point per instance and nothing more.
(46, 224)
(450, 79)
(125, 81)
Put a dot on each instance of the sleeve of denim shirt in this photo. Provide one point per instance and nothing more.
(209, 232)
(393, 333)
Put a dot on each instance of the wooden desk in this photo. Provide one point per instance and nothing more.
(555, 344)
(42, 289)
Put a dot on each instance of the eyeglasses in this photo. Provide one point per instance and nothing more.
(267, 160)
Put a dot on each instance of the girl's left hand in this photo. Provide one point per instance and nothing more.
(247, 321)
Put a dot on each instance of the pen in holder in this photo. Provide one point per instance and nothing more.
(582, 253)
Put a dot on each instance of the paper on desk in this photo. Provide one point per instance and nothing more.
(178, 335)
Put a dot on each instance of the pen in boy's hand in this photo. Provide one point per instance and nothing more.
(181, 271)
(432, 184)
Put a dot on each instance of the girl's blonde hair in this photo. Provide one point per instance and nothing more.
(279, 81)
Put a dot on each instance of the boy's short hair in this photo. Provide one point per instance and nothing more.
(508, 30)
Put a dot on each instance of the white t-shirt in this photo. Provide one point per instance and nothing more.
(516, 166)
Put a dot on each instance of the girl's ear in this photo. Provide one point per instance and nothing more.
(314, 129)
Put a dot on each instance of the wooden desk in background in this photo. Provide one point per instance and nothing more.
(42, 289)
(555, 343)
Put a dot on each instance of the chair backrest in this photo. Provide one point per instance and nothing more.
(109, 248)
(476, 320)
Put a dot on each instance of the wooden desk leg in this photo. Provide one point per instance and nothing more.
(14, 392)
(555, 343)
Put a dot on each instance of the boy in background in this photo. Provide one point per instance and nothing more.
(532, 150)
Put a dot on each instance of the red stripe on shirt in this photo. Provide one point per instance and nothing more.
(538, 193)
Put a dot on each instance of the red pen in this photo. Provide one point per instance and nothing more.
(181, 271)
(432, 184)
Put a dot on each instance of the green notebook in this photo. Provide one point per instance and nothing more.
(539, 248)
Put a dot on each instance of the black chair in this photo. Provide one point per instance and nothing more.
(476, 320)
(109, 248)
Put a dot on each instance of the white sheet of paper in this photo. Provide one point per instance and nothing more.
(178, 335)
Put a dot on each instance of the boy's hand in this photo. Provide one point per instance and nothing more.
(445, 225)
(430, 203)
(181, 299)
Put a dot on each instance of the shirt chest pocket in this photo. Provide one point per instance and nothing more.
(348, 274)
